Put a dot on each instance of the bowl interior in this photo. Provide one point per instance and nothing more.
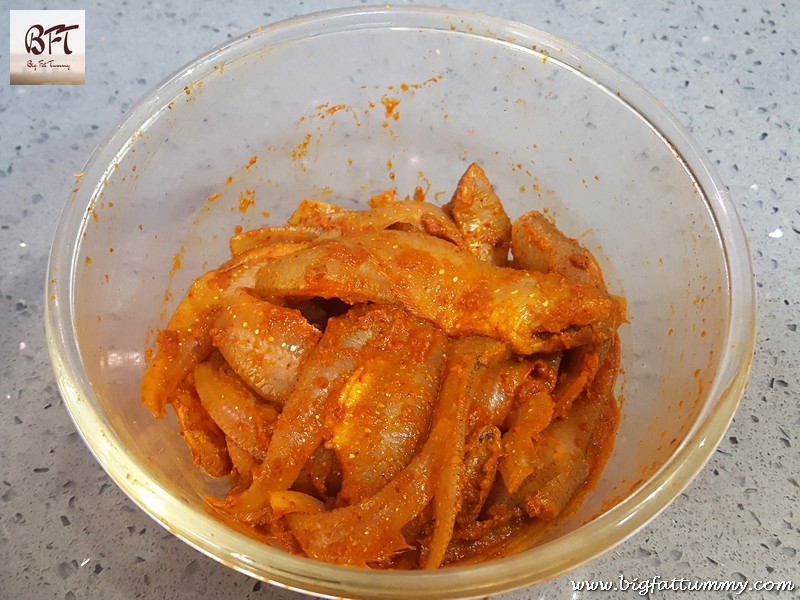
(341, 108)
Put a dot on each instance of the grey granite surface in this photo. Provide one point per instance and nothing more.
(729, 70)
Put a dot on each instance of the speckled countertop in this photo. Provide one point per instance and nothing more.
(728, 70)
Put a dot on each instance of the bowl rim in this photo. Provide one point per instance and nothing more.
(532, 566)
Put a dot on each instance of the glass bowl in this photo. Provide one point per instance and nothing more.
(343, 105)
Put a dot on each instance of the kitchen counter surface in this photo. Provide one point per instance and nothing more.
(728, 70)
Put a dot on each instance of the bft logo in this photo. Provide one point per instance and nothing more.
(48, 47)
(34, 38)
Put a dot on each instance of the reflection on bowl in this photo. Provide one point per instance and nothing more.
(341, 106)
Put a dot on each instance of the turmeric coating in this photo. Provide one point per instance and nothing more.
(404, 387)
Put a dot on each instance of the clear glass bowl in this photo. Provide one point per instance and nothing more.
(342, 105)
